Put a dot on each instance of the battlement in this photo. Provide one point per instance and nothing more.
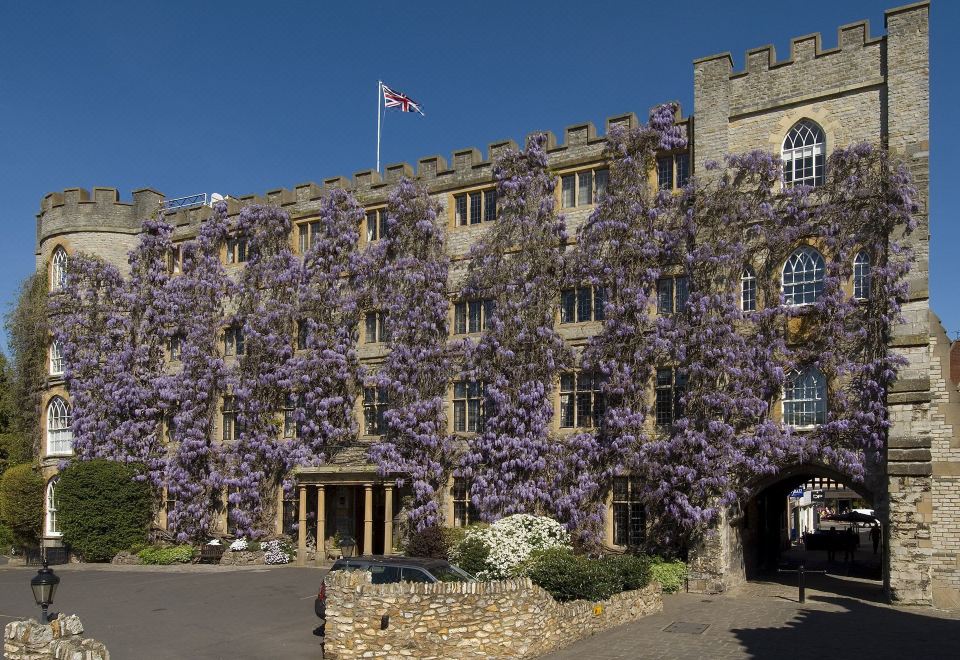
(467, 166)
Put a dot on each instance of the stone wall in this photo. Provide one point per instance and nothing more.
(505, 619)
(61, 639)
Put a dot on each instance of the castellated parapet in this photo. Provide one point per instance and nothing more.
(74, 210)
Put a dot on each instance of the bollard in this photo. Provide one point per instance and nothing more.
(803, 595)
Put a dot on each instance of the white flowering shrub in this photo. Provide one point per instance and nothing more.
(511, 540)
(239, 545)
(275, 552)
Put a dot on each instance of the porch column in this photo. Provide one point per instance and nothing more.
(368, 519)
(321, 525)
(302, 529)
(608, 521)
(388, 519)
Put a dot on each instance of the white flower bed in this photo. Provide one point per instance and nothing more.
(274, 552)
(239, 545)
(511, 540)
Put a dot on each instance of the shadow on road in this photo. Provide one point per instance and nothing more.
(864, 629)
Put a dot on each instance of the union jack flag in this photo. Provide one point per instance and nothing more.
(392, 99)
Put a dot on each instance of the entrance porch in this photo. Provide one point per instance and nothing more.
(355, 504)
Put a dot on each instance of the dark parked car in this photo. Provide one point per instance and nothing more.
(387, 570)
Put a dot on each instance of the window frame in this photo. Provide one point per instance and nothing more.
(580, 180)
(234, 343)
(573, 397)
(862, 276)
(816, 283)
(237, 250)
(465, 312)
(306, 235)
(467, 405)
(626, 504)
(748, 289)
(378, 230)
(677, 302)
(812, 145)
(59, 408)
(59, 260)
(380, 332)
(572, 304)
(55, 363)
(819, 399)
(472, 207)
(668, 394)
(464, 513)
(51, 527)
(375, 402)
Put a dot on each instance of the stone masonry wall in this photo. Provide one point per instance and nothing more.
(61, 639)
(505, 619)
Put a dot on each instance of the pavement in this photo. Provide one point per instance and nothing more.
(210, 612)
(193, 611)
(764, 620)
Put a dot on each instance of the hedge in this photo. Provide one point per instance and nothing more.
(670, 574)
(178, 554)
(569, 576)
(21, 503)
(102, 509)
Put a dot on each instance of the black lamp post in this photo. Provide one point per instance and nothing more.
(44, 585)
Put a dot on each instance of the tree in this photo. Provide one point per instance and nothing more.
(27, 332)
(21, 503)
(103, 507)
(410, 289)
(517, 265)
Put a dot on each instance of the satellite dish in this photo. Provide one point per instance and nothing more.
(216, 197)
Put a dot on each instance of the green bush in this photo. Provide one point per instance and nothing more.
(633, 571)
(569, 576)
(6, 539)
(429, 542)
(178, 554)
(470, 554)
(102, 509)
(670, 574)
(21, 503)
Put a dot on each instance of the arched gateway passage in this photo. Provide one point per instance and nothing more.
(787, 520)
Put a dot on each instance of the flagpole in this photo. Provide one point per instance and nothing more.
(379, 103)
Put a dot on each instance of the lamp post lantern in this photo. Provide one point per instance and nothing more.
(44, 585)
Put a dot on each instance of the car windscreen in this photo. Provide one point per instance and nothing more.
(450, 573)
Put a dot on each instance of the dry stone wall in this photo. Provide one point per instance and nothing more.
(61, 639)
(504, 619)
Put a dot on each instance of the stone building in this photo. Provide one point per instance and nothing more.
(866, 88)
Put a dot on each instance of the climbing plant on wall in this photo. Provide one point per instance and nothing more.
(266, 310)
(192, 393)
(326, 375)
(517, 265)
(410, 288)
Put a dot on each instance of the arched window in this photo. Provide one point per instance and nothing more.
(52, 527)
(803, 154)
(805, 398)
(861, 276)
(803, 277)
(58, 269)
(56, 359)
(748, 290)
(59, 434)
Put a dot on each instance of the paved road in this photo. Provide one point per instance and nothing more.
(765, 621)
(206, 612)
(203, 612)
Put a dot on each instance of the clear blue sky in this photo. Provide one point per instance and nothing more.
(242, 97)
